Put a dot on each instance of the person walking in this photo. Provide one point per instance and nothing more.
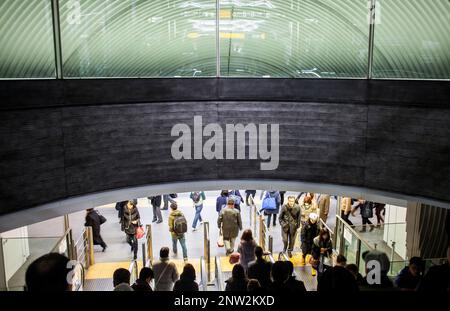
(186, 283)
(168, 198)
(155, 201)
(221, 201)
(94, 220)
(166, 273)
(308, 208)
(130, 222)
(289, 219)
(178, 229)
(380, 210)
(346, 209)
(230, 222)
(197, 198)
(366, 208)
(249, 193)
(271, 206)
(246, 248)
(324, 206)
(309, 231)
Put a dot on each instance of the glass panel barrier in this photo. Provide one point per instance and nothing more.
(26, 39)
(19, 253)
(412, 39)
(308, 38)
(128, 38)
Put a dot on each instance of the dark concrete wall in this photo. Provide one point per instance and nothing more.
(77, 141)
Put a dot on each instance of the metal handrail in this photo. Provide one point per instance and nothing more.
(55, 249)
(323, 224)
(207, 249)
(219, 275)
(203, 276)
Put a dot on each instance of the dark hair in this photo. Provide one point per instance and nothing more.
(224, 193)
(341, 259)
(89, 210)
(279, 272)
(247, 235)
(48, 273)
(146, 273)
(307, 199)
(322, 232)
(120, 276)
(174, 206)
(416, 261)
(164, 252)
(352, 268)
(188, 272)
(253, 285)
(289, 267)
(238, 272)
(259, 252)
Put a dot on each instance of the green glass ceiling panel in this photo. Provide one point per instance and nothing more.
(26, 39)
(294, 38)
(412, 39)
(138, 38)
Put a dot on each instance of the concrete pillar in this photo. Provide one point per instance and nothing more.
(426, 231)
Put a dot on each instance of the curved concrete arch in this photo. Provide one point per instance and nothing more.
(76, 204)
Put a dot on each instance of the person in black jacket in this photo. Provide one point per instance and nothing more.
(130, 222)
(280, 275)
(119, 209)
(238, 281)
(142, 284)
(186, 283)
(94, 220)
(155, 201)
(260, 269)
(366, 208)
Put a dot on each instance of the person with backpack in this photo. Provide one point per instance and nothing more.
(95, 220)
(290, 222)
(366, 208)
(221, 201)
(230, 222)
(178, 229)
(155, 201)
(197, 198)
(271, 206)
(237, 197)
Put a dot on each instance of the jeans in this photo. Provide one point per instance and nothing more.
(198, 216)
(229, 244)
(133, 242)
(167, 199)
(288, 239)
(269, 216)
(157, 213)
(182, 240)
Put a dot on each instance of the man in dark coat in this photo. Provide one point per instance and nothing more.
(290, 222)
(94, 220)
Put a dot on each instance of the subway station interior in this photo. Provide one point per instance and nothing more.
(120, 116)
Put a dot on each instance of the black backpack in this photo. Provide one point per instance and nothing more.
(180, 224)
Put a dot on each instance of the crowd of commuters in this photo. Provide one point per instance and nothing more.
(296, 216)
(50, 273)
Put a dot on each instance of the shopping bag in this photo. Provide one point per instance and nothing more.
(220, 240)
(140, 232)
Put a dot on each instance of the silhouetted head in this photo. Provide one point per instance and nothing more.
(188, 272)
(164, 253)
(146, 274)
(416, 266)
(289, 267)
(49, 273)
(259, 252)
(247, 235)
(341, 260)
(238, 272)
(280, 272)
(120, 276)
(253, 285)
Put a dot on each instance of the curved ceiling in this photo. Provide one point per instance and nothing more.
(257, 38)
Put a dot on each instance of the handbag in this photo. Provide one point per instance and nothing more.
(234, 258)
(102, 219)
(220, 242)
(140, 232)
